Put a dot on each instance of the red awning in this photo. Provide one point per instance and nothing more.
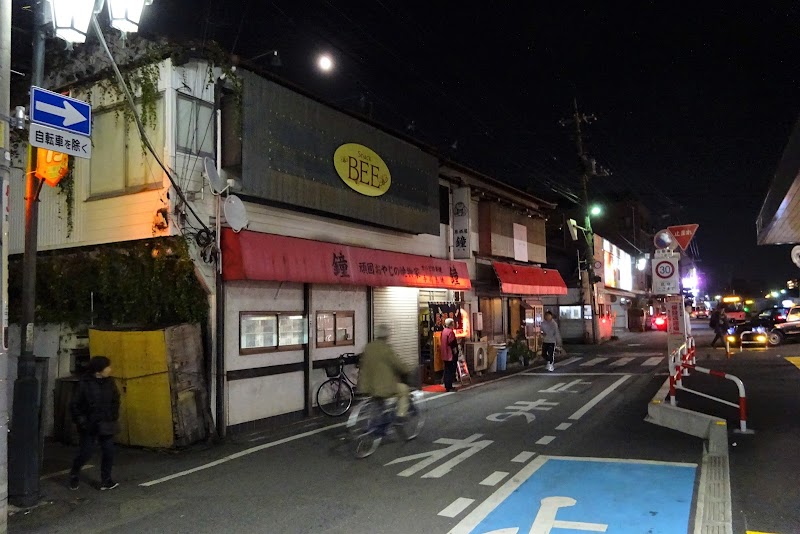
(523, 280)
(256, 256)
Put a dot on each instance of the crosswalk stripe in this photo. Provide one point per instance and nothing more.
(621, 361)
(595, 361)
(652, 362)
(568, 361)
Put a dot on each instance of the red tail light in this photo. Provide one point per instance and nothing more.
(659, 321)
(780, 318)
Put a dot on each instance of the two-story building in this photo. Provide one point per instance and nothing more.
(331, 225)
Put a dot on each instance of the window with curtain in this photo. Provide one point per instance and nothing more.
(194, 127)
(120, 164)
(271, 331)
(335, 328)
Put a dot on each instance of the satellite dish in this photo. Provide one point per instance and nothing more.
(218, 185)
(235, 213)
(796, 255)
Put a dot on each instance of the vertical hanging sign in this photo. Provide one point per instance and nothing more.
(520, 242)
(461, 233)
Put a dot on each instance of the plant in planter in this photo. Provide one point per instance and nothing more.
(518, 350)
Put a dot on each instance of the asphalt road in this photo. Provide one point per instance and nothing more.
(567, 451)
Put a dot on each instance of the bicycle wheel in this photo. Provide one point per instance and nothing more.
(363, 425)
(334, 397)
(413, 422)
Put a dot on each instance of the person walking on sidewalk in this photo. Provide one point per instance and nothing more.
(551, 338)
(95, 410)
(449, 353)
(719, 322)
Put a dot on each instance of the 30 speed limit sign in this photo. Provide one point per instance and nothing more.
(665, 269)
(666, 279)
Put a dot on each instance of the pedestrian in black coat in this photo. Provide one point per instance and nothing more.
(95, 410)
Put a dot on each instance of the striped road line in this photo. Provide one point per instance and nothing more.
(621, 361)
(652, 362)
(593, 362)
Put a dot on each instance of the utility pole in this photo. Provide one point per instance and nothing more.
(588, 169)
(5, 180)
(24, 451)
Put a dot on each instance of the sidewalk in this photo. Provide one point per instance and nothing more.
(763, 466)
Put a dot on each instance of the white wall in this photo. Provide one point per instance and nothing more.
(261, 397)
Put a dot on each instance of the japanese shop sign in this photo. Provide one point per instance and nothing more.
(444, 310)
(461, 235)
(362, 169)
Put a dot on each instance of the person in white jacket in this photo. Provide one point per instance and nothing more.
(552, 338)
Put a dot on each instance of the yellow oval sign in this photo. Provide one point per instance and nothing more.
(362, 169)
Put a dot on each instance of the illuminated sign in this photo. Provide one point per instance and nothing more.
(362, 169)
(732, 299)
(617, 267)
(51, 166)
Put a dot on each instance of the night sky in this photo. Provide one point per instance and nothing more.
(694, 101)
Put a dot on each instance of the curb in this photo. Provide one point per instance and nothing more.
(713, 512)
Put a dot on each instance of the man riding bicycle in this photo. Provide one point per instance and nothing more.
(382, 373)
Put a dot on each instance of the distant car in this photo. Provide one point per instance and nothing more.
(753, 335)
(659, 322)
(699, 312)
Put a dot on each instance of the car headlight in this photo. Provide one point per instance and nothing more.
(761, 339)
(731, 338)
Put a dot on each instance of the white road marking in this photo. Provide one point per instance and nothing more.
(593, 362)
(635, 344)
(568, 361)
(564, 387)
(477, 515)
(652, 362)
(469, 446)
(64, 472)
(603, 394)
(494, 478)
(456, 507)
(252, 450)
(545, 375)
(563, 426)
(523, 457)
(620, 362)
(546, 440)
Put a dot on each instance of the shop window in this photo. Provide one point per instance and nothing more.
(335, 328)
(120, 164)
(569, 312)
(268, 331)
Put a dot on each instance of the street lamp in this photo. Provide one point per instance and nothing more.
(72, 17)
(595, 210)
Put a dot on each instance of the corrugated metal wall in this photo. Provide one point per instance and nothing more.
(288, 144)
(399, 308)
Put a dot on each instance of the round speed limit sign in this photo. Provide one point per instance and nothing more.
(665, 269)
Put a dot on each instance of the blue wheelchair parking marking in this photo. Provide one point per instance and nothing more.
(571, 495)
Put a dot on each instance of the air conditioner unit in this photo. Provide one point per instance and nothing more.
(477, 353)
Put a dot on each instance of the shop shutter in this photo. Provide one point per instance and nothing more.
(399, 308)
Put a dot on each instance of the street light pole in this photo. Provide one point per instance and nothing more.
(5, 180)
(24, 451)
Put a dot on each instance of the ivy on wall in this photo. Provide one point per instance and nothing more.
(141, 283)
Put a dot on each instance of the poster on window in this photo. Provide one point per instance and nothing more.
(443, 310)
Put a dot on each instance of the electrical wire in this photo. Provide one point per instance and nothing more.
(138, 120)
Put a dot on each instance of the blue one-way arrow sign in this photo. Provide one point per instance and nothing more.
(59, 111)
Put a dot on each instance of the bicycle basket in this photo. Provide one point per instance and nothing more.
(333, 370)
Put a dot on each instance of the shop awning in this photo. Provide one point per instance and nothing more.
(524, 280)
(256, 256)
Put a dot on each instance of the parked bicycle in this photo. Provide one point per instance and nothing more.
(335, 395)
(375, 418)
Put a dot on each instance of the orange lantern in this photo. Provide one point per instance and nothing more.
(51, 166)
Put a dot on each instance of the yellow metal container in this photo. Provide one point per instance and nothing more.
(139, 365)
